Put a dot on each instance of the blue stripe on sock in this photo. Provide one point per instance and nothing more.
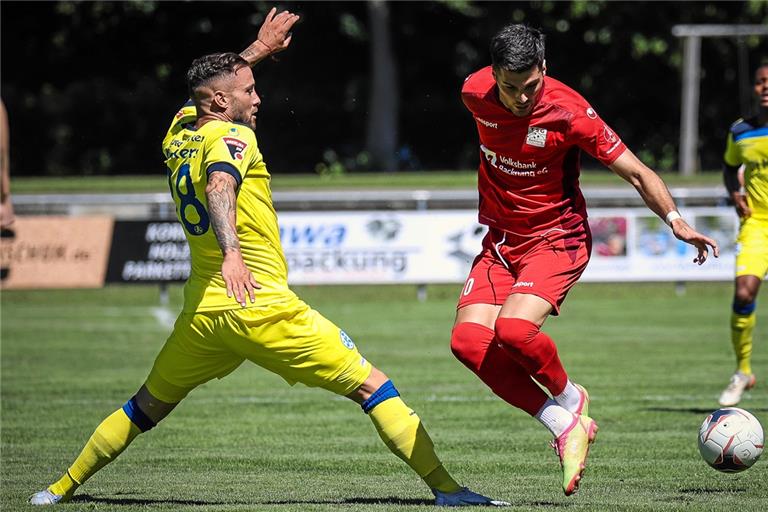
(385, 392)
(137, 416)
(745, 309)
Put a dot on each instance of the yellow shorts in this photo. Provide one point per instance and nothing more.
(290, 339)
(752, 248)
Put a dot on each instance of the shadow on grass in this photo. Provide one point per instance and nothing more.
(698, 410)
(712, 490)
(87, 498)
(389, 500)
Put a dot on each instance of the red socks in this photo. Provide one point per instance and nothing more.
(534, 351)
(475, 346)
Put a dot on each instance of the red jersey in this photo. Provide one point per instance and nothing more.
(528, 178)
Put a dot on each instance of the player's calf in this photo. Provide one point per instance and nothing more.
(111, 437)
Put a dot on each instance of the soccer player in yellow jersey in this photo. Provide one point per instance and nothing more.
(237, 304)
(747, 146)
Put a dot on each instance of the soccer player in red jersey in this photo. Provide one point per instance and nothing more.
(532, 131)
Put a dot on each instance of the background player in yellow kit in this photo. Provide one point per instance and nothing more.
(748, 146)
(237, 304)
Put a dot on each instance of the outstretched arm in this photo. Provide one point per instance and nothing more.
(274, 36)
(221, 193)
(657, 197)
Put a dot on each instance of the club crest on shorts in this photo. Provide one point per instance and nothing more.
(346, 340)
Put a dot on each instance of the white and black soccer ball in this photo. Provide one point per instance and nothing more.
(731, 440)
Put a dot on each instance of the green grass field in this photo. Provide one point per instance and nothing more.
(353, 181)
(653, 361)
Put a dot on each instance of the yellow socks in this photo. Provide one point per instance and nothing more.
(741, 338)
(108, 441)
(65, 486)
(401, 430)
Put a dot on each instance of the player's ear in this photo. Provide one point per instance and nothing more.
(544, 67)
(220, 99)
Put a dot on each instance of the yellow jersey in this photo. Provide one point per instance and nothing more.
(748, 144)
(191, 155)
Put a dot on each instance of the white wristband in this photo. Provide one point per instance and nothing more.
(671, 216)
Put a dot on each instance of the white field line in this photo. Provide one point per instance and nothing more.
(164, 317)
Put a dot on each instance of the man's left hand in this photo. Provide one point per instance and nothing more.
(687, 234)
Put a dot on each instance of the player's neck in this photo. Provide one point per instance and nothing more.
(762, 116)
(208, 117)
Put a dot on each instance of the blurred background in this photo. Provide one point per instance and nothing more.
(365, 86)
(373, 159)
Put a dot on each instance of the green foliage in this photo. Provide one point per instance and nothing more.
(105, 95)
(653, 361)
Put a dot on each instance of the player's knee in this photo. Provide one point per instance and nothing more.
(386, 391)
(746, 291)
(138, 417)
(145, 410)
(743, 305)
(465, 347)
(515, 333)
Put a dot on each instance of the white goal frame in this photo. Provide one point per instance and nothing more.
(689, 117)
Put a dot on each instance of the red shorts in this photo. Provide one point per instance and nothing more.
(546, 265)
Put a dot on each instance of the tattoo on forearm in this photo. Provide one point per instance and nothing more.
(222, 208)
(248, 54)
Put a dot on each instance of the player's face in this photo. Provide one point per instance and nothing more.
(518, 91)
(244, 100)
(761, 86)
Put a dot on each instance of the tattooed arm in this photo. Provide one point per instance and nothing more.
(222, 208)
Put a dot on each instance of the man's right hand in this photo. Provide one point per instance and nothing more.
(740, 203)
(239, 280)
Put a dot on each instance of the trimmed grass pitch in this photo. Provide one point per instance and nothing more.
(653, 361)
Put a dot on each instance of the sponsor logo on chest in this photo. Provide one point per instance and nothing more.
(511, 166)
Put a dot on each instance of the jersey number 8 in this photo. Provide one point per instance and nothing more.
(187, 200)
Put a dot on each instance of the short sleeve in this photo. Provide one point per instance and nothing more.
(732, 156)
(233, 151)
(186, 114)
(594, 136)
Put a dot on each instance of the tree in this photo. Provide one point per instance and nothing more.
(383, 104)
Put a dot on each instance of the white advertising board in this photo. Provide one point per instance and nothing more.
(437, 246)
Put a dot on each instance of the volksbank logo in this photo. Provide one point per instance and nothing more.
(511, 166)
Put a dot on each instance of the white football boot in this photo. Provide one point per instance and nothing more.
(739, 383)
(465, 498)
(45, 497)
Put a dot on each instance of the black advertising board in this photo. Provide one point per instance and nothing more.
(148, 252)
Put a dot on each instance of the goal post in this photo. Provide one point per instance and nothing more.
(689, 116)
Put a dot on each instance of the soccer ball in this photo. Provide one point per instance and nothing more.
(731, 440)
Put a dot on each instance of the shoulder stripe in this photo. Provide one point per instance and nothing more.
(750, 134)
(225, 167)
(741, 126)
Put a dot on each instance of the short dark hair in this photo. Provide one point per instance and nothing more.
(517, 48)
(209, 67)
